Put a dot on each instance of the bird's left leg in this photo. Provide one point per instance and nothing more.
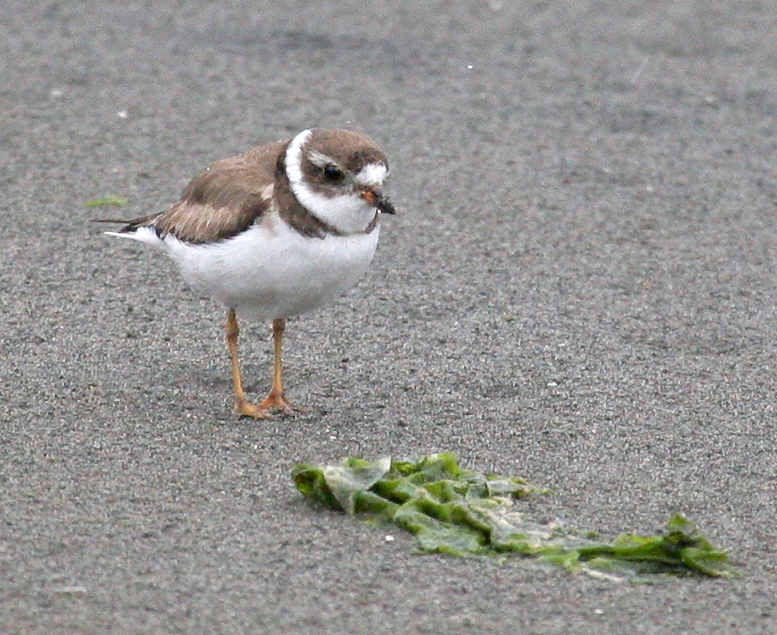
(276, 399)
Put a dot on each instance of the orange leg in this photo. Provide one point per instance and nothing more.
(242, 406)
(276, 399)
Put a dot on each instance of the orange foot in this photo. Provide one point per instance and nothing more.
(245, 409)
(275, 401)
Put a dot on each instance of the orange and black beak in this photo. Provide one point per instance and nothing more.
(378, 200)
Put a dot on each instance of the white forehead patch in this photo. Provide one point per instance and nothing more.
(373, 174)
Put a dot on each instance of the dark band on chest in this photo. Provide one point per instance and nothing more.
(303, 222)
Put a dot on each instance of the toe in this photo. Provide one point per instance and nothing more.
(246, 409)
(280, 403)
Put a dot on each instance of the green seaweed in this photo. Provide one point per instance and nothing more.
(107, 201)
(455, 511)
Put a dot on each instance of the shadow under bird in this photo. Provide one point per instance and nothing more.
(275, 232)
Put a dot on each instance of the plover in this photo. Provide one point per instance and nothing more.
(275, 232)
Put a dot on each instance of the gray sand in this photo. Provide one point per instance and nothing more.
(579, 290)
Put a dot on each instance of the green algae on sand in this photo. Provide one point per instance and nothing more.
(459, 512)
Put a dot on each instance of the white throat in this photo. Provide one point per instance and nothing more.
(348, 214)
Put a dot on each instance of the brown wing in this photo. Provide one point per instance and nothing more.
(223, 201)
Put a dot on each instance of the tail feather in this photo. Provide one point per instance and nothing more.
(140, 229)
(129, 225)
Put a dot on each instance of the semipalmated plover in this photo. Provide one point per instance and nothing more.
(275, 232)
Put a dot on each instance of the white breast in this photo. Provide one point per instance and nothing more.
(271, 271)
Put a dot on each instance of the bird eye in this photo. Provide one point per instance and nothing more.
(333, 174)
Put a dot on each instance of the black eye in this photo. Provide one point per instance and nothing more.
(333, 174)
